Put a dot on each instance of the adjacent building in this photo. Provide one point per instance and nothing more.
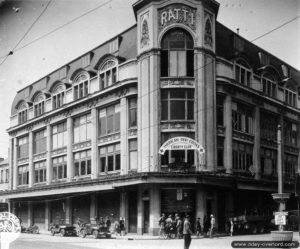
(177, 114)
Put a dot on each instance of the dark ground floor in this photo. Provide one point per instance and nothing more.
(141, 205)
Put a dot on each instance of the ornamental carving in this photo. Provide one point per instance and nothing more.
(177, 14)
(145, 37)
(208, 37)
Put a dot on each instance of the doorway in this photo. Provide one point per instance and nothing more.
(146, 216)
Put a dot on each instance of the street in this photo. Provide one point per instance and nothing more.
(45, 241)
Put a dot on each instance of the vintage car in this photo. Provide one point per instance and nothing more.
(96, 230)
(62, 229)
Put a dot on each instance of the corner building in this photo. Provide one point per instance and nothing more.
(85, 139)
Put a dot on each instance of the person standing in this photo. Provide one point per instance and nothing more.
(122, 226)
(231, 226)
(212, 225)
(162, 224)
(179, 227)
(187, 232)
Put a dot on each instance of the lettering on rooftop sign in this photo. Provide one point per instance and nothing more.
(177, 14)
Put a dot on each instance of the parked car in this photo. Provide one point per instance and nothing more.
(96, 230)
(62, 229)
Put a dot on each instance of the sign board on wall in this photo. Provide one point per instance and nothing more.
(280, 218)
(181, 143)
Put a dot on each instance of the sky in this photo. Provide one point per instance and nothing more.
(46, 34)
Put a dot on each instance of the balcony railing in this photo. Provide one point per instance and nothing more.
(178, 167)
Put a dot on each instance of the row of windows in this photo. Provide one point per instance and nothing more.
(109, 161)
(109, 122)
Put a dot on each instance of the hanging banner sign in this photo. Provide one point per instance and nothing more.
(181, 143)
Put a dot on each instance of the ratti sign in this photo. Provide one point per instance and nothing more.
(177, 14)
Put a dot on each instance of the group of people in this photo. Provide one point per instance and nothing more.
(175, 226)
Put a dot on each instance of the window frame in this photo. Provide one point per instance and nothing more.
(87, 161)
(23, 149)
(105, 115)
(108, 73)
(243, 74)
(58, 96)
(23, 175)
(81, 85)
(39, 105)
(269, 85)
(39, 143)
(22, 113)
(84, 127)
(115, 153)
(56, 165)
(40, 172)
(56, 134)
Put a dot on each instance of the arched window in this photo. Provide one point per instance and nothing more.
(58, 95)
(242, 73)
(22, 113)
(39, 105)
(177, 54)
(81, 85)
(269, 85)
(108, 73)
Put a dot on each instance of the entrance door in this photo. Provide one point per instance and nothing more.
(132, 212)
(146, 216)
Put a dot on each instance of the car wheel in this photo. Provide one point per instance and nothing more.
(95, 234)
(52, 231)
(82, 233)
(63, 232)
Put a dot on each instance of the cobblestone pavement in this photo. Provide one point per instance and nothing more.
(45, 241)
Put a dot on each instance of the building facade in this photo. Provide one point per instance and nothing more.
(85, 139)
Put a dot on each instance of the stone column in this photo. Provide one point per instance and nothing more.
(154, 210)
(11, 163)
(229, 205)
(15, 164)
(93, 208)
(140, 212)
(47, 214)
(68, 208)
(228, 134)
(124, 208)
(70, 166)
(124, 135)
(256, 148)
(30, 160)
(30, 214)
(200, 203)
(94, 143)
(49, 159)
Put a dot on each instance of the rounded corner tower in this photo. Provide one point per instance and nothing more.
(176, 75)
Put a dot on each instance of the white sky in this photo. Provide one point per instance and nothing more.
(34, 61)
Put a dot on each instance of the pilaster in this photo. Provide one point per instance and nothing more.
(124, 208)
(256, 148)
(68, 208)
(47, 214)
(93, 208)
(30, 214)
(140, 212)
(228, 134)
(49, 159)
(30, 160)
(70, 167)
(200, 203)
(154, 210)
(15, 164)
(94, 149)
(124, 136)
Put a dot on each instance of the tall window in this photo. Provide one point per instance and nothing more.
(290, 93)
(242, 156)
(132, 112)
(290, 133)
(177, 104)
(23, 147)
(269, 85)
(58, 96)
(82, 128)
(39, 142)
(242, 73)
(133, 154)
(177, 54)
(40, 171)
(39, 105)
(290, 165)
(22, 114)
(81, 85)
(59, 135)
(242, 119)
(268, 161)
(220, 110)
(110, 159)
(268, 126)
(109, 120)
(108, 74)
(59, 166)
(23, 175)
(82, 162)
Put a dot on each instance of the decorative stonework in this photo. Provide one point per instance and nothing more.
(39, 156)
(109, 138)
(145, 36)
(59, 151)
(171, 82)
(23, 160)
(291, 149)
(177, 13)
(177, 126)
(82, 145)
(243, 136)
(208, 35)
(132, 132)
(268, 143)
(221, 130)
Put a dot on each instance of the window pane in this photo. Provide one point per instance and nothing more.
(177, 94)
(110, 163)
(190, 111)
(102, 126)
(102, 164)
(177, 109)
(117, 121)
(164, 110)
(60, 172)
(164, 60)
(118, 162)
(133, 160)
(89, 167)
(83, 168)
(76, 168)
(190, 63)
(173, 63)
(110, 124)
(181, 63)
